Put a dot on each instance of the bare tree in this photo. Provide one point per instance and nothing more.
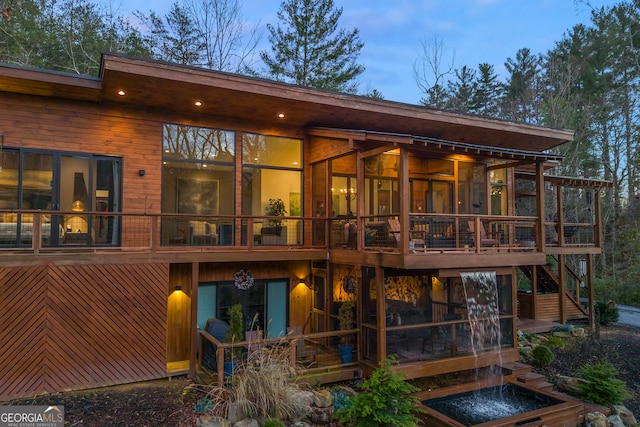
(229, 42)
(431, 74)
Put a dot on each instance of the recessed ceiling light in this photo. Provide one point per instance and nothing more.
(121, 92)
(198, 103)
(281, 115)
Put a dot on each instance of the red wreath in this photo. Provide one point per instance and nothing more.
(243, 279)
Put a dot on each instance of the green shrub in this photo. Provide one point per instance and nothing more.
(601, 386)
(384, 401)
(542, 356)
(607, 313)
(555, 342)
(272, 422)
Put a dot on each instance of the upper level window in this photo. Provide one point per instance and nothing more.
(198, 143)
(265, 150)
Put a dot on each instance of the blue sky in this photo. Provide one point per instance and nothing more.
(472, 31)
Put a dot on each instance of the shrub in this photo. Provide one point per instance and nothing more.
(262, 386)
(555, 342)
(272, 422)
(384, 401)
(601, 386)
(542, 356)
(606, 313)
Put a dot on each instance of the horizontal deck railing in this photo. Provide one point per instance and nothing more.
(321, 354)
(56, 230)
(448, 232)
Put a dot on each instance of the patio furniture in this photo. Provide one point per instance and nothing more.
(485, 240)
(302, 350)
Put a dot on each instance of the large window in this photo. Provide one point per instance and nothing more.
(272, 177)
(198, 178)
(76, 183)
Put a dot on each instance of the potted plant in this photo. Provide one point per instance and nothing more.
(275, 207)
(346, 321)
(234, 334)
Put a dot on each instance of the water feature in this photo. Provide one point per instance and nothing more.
(480, 406)
(481, 295)
(498, 403)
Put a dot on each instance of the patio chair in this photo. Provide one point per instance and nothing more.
(302, 350)
(485, 240)
(253, 338)
(416, 237)
(202, 232)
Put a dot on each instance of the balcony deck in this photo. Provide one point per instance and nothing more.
(430, 241)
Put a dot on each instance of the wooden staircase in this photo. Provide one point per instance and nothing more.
(548, 282)
(523, 373)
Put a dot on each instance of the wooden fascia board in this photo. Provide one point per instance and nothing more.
(49, 83)
(510, 165)
(170, 72)
(336, 134)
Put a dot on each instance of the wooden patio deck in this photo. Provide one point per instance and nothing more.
(532, 326)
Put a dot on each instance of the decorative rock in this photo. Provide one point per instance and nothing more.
(615, 421)
(625, 415)
(300, 424)
(569, 384)
(321, 416)
(347, 391)
(578, 332)
(235, 413)
(247, 422)
(211, 421)
(595, 419)
(303, 397)
(323, 398)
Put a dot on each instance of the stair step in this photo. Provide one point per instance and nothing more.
(515, 368)
(544, 386)
(530, 378)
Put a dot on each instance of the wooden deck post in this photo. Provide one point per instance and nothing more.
(562, 289)
(541, 230)
(195, 278)
(381, 317)
(591, 296)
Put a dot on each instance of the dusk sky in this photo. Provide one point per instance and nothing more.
(472, 31)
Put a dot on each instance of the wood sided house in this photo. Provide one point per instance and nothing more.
(133, 209)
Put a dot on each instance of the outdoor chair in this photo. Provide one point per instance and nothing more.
(416, 240)
(485, 240)
(302, 350)
(253, 338)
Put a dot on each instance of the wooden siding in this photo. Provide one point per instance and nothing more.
(30, 122)
(548, 307)
(75, 327)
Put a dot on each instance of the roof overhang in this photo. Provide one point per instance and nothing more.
(567, 181)
(49, 83)
(172, 88)
(368, 141)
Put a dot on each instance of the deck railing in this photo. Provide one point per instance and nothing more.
(321, 354)
(44, 230)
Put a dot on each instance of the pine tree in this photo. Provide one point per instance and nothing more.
(309, 50)
(176, 40)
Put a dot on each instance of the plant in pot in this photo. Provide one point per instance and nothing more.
(346, 321)
(275, 207)
(234, 334)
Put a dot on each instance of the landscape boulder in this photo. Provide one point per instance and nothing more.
(595, 419)
(569, 385)
(627, 417)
